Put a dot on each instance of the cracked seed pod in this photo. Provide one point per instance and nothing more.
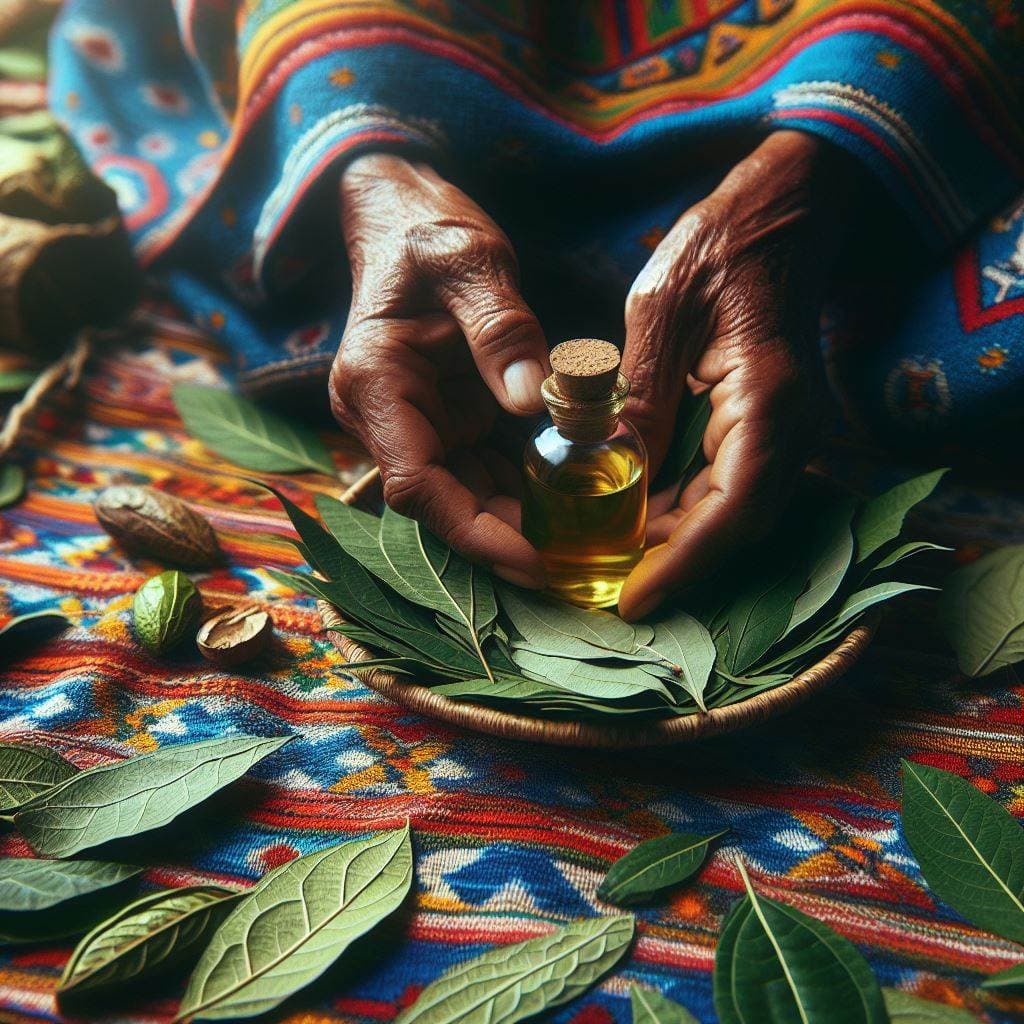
(235, 636)
(150, 522)
(165, 610)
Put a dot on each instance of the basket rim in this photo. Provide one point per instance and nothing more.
(592, 735)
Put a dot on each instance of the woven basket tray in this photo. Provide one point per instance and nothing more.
(561, 733)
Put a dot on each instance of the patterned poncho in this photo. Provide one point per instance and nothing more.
(585, 127)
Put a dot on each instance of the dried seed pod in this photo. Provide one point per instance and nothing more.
(165, 609)
(150, 522)
(235, 636)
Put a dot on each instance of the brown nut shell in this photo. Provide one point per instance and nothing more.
(235, 636)
(150, 522)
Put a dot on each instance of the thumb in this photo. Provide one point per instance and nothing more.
(504, 336)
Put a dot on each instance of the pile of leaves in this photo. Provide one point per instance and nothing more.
(432, 616)
(248, 951)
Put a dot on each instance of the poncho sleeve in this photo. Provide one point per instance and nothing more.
(928, 95)
(224, 124)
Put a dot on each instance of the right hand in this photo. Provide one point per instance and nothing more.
(438, 341)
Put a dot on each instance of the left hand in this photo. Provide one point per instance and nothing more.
(730, 301)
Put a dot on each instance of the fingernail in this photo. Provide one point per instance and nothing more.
(518, 577)
(522, 385)
(648, 606)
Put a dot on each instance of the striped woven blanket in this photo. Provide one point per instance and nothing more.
(508, 838)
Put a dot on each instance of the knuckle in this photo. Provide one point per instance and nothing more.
(406, 493)
(457, 536)
(340, 389)
(353, 379)
(652, 287)
(639, 301)
(496, 329)
(409, 493)
(458, 251)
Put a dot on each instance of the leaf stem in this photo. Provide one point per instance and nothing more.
(480, 653)
(787, 973)
(360, 485)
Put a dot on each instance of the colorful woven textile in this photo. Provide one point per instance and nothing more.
(584, 128)
(508, 838)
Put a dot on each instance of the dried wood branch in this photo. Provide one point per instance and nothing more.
(64, 373)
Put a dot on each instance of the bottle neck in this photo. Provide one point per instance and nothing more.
(585, 420)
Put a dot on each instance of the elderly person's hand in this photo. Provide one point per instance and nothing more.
(438, 341)
(731, 301)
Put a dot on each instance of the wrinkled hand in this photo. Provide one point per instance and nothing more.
(731, 301)
(438, 340)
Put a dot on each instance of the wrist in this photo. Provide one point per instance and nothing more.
(374, 164)
(369, 173)
(795, 186)
(388, 180)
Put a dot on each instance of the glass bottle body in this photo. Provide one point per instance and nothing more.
(585, 510)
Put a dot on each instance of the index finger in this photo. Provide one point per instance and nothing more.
(418, 484)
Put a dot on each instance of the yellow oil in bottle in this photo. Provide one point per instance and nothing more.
(585, 510)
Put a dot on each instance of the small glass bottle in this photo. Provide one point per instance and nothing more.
(585, 489)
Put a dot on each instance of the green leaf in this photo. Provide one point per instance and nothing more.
(654, 865)
(774, 963)
(982, 611)
(651, 1007)
(881, 519)
(289, 930)
(404, 654)
(13, 382)
(26, 771)
(563, 630)
(519, 693)
(971, 850)
(419, 563)
(27, 884)
(686, 443)
(503, 689)
(146, 938)
(512, 982)
(684, 642)
(62, 921)
(907, 1009)
(590, 679)
(247, 435)
(853, 607)
(471, 587)
(132, 796)
(320, 549)
(22, 63)
(413, 565)
(904, 551)
(415, 562)
(759, 616)
(12, 483)
(1012, 977)
(858, 603)
(31, 619)
(358, 533)
(360, 598)
(831, 547)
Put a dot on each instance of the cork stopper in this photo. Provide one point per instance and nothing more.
(585, 369)
(586, 393)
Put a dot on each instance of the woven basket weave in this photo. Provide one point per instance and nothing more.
(592, 734)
